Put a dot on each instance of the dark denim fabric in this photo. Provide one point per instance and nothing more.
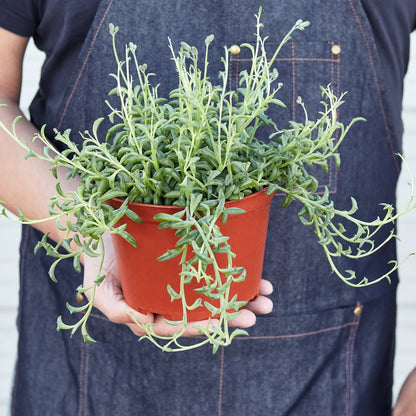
(369, 167)
(312, 355)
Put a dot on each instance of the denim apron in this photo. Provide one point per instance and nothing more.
(312, 354)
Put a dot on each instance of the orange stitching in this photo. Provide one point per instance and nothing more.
(294, 59)
(293, 82)
(331, 161)
(331, 167)
(221, 381)
(349, 369)
(332, 65)
(87, 350)
(81, 379)
(229, 74)
(319, 331)
(234, 71)
(100, 317)
(338, 94)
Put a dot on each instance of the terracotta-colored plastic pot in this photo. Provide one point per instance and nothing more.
(144, 279)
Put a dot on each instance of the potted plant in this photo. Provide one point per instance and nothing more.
(181, 167)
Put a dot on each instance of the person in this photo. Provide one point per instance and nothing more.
(316, 352)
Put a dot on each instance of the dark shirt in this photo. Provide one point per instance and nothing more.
(60, 27)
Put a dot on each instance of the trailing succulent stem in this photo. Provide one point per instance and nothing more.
(197, 149)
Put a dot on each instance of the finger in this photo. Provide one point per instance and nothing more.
(121, 313)
(162, 328)
(260, 305)
(110, 300)
(266, 287)
(136, 320)
(136, 329)
(245, 319)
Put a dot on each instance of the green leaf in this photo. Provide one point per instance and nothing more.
(86, 336)
(113, 29)
(61, 325)
(87, 249)
(238, 332)
(77, 263)
(187, 238)
(200, 255)
(166, 217)
(354, 206)
(195, 201)
(172, 195)
(30, 154)
(113, 130)
(112, 193)
(128, 237)
(76, 309)
(232, 270)
(278, 102)
(77, 240)
(196, 304)
(215, 346)
(60, 191)
(173, 294)
(213, 309)
(170, 254)
(241, 277)
(96, 125)
(59, 226)
(99, 280)
(234, 211)
(51, 271)
(133, 216)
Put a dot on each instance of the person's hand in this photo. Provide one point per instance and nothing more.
(109, 299)
(406, 402)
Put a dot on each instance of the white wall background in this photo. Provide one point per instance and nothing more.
(406, 333)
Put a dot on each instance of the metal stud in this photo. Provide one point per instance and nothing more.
(358, 309)
(336, 49)
(235, 49)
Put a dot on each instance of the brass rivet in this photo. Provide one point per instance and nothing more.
(358, 309)
(336, 49)
(235, 49)
(79, 297)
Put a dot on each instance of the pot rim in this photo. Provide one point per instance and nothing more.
(177, 207)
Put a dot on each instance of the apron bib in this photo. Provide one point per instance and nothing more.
(312, 343)
(307, 62)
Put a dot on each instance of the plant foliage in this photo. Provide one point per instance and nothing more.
(197, 149)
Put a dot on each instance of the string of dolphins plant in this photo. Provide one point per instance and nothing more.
(196, 150)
